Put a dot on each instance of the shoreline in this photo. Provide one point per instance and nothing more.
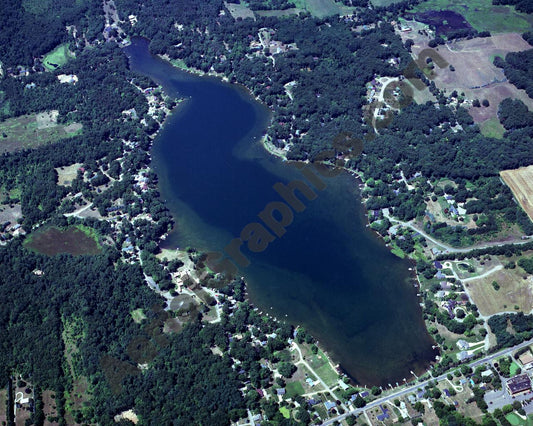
(268, 146)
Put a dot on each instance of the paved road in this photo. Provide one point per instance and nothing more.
(446, 247)
(414, 387)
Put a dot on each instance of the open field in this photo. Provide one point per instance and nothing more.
(52, 241)
(31, 131)
(475, 75)
(49, 406)
(521, 183)
(492, 128)
(239, 10)
(57, 57)
(65, 175)
(482, 14)
(384, 3)
(514, 291)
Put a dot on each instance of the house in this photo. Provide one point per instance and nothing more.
(310, 382)
(526, 359)
(486, 373)
(311, 402)
(463, 345)
(412, 399)
(384, 414)
(463, 355)
(518, 384)
(364, 394)
(447, 392)
(257, 418)
(281, 391)
(437, 264)
(329, 405)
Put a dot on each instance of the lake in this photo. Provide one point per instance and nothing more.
(328, 272)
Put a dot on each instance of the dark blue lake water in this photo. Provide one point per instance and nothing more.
(328, 273)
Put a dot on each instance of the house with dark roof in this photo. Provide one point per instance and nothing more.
(519, 384)
(384, 414)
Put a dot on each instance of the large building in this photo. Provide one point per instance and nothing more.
(519, 384)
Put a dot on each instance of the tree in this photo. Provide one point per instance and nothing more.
(286, 369)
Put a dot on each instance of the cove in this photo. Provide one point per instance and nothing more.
(328, 273)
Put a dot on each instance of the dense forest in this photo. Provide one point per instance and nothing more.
(31, 29)
(517, 67)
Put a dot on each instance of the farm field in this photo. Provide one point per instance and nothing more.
(31, 131)
(384, 3)
(514, 291)
(475, 74)
(482, 14)
(521, 183)
(52, 241)
(57, 57)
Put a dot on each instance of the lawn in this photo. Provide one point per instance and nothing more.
(285, 412)
(327, 374)
(514, 369)
(492, 128)
(514, 419)
(57, 57)
(294, 389)
(482, 14)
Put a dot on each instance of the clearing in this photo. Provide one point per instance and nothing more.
(65, 175)
(482, 14)
(492, 128)
(31, 131)
(475, 75)
(77, 241)
(57, 57)
(513, 291)
(239, 10)
(521, 183)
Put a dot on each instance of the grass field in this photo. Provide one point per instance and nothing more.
(514, 369)
(514, 291)
(57, 57)
(51, 241)
(482, 14)
(521, 183)
(294, 389)
(31, 131)
(384, 3)
(492, 128)
(515, 420)
(285, 412)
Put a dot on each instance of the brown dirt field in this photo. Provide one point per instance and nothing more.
(49, 407)
(521, 183)
(472, 60)
(52, 241)
(514, 290)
